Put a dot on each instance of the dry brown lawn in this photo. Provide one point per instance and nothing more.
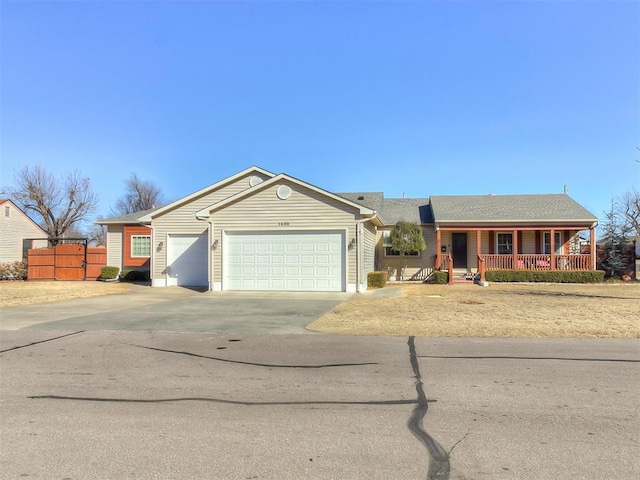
(29, 293)
(500, 310)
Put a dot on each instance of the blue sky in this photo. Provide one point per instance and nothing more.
(417, 98)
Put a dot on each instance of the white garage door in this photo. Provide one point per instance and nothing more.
(302, 261)
(187, 260)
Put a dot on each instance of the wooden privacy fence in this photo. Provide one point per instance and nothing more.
(66, 261)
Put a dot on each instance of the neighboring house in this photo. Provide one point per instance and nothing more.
(260, 231)
(17, 233)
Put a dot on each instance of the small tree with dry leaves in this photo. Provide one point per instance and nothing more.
(406, 238)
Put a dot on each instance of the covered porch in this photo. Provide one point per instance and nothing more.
(474, 251)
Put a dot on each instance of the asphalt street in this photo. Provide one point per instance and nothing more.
(80, 404)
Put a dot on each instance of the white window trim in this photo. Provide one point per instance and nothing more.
(140, 256)
(386, 238)
(498, 243)
(559, 246)
(386, 243)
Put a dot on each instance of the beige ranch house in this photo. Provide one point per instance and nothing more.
(18, 233)
(257, 230)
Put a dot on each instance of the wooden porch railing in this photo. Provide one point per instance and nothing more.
(445, 262)
(536, 262)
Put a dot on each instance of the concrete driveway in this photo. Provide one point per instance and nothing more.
(178, 310)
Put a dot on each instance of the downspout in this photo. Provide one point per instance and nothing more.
(360, 251)
(153, 250)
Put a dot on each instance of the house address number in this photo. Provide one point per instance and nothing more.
(283, 224)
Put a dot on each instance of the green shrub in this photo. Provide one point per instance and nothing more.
(440, 277)
(376, 279)
(109, 273)
(134, 275)
(547, 276)
(13, 271)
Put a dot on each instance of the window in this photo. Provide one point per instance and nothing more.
(390, 252)
(7, 211)
(505, 243)
(557, 242)
(140, 245)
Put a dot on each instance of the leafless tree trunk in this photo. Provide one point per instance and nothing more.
(97, 236)
(60, 203)
(139, 195)
(629, 206)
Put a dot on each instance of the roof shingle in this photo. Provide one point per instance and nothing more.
(508, 208)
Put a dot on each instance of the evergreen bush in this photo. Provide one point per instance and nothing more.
(376, 279)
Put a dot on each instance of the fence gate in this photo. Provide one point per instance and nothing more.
(66, 261)
(69, 261)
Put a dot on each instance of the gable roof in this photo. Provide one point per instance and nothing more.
(534, 208)
(24, 214)
(148, 217)
(126, 218)
(393, 210)
(203, 213)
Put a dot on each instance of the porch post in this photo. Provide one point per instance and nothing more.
(552, 246)
(479, 254)
(515, 249)
(438, 249)
(593, 248)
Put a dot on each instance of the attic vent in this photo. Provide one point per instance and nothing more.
(361, 197)
(283, 192)
(255, 180)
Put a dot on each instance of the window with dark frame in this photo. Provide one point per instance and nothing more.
(504, 243)
(557, 240)
(389, 251)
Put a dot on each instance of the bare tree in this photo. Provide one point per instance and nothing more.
(629, 206)
(61, 203)
(139, 195)
(97, 235)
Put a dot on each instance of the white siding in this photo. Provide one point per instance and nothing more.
(528, 241)
(114, 245)
(369, 248)
(14, 228)
(472, 256)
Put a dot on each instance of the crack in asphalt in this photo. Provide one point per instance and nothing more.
(41, 341)
(329, 365)
(220, 400)
(439, 467)
(624, 360)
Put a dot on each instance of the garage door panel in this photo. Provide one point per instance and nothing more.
(287, 261)
(187, 260)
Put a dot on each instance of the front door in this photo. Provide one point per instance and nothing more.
(459, 250)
